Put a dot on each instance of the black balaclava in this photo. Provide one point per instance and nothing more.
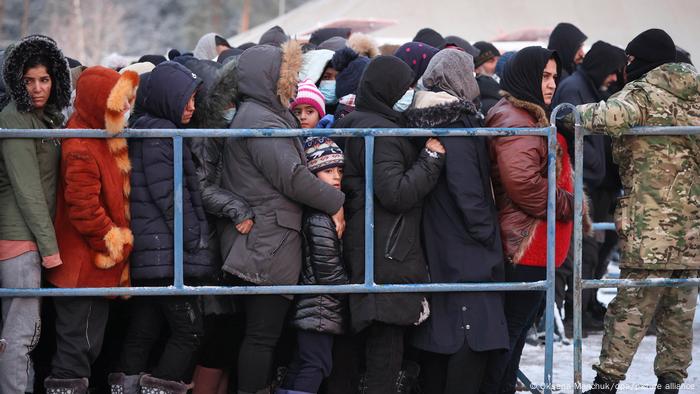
(650, 49)
(602, 60)
(522, 77)
(566, 39)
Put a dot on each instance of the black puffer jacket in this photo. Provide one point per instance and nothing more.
(162, 100)
(323, 265)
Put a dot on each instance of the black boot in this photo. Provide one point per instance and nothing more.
(603, 385)
(408, 378)
(66, 386)
(666, 385)
(151, 385)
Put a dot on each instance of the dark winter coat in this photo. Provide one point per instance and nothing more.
(461, 237)
(163, 97)
(489, 88)
(270, 174)
(579, 89)
(323, 265)
(404, 173)
(29, 167)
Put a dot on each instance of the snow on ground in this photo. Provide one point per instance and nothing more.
(640, 377)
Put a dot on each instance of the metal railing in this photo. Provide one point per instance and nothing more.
(369, 286)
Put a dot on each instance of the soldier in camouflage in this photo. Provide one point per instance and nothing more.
(658, 218)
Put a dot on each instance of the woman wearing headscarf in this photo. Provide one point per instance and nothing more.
(38, 86)
(519, 173)
(461, 235)
(406, 170)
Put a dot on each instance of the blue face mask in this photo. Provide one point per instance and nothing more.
(327, 89)
(229, 114)
(405, 101)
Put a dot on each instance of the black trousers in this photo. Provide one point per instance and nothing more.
(521, 308)
(183, 316)
(384, 349)
(80, 328)
(313, 361)
(458, 373)
(264, 319)
(564, 276)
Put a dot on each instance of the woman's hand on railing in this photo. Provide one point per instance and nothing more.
(245, 226)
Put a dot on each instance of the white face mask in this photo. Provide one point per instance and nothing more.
(229, 114)
(405, 101)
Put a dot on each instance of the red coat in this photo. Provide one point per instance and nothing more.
(92, 210)
(519, 174)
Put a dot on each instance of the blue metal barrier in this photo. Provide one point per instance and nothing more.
(179, 288)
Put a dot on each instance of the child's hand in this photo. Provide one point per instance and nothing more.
(339, 220)
(245, 226)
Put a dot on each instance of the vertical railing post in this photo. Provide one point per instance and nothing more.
(578, 247)
(551, 222)
(369, 211)
(178, 218)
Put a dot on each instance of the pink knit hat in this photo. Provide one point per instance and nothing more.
(309, 94)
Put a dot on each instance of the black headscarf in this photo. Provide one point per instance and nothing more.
(430, 37)
(383, 83)
(602, 60)
(566, 39)
(650, 49)
(522, 77)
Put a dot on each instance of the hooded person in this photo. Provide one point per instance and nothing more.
(165, 100)
(461, 43)
(229, 55)
(409, 169)
(485, 65)
(519, 175)
(38, 86)
(154, 59)
(567, 40)
(270, 174)
(430, 37)
(658, 215)
(459, 221)
(588, 84)
(92, 221)
(363, 44)
(209, 47)
(321, 35)
(333, 43)
(349, 67)
(274, 36)
(416, 55)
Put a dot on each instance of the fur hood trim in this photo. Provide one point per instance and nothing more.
(223, 92)
(122, 93)
(535, 110)
(363, 44)
(437, 115)
(289, 71)
(17, 55)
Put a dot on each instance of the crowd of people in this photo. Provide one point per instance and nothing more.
(99, 212)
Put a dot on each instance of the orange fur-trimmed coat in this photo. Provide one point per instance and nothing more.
(92, 209)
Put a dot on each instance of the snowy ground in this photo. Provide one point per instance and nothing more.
(640, 377)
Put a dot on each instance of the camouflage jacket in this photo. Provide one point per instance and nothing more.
(659, 216)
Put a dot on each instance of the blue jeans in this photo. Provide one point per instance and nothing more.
(21, 323)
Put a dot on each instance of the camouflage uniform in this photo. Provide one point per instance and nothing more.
(658, 218)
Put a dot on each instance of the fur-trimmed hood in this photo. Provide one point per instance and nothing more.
(223, 92)
(433, 109)
(363, 44)
(268, 75)
(17, 55)
(538, 113)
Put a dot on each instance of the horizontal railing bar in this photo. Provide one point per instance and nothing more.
(285, 289)
(654, 282)
(604, 226)
(163, 133)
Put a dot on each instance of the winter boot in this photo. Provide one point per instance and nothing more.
(362, 386)
(408, 378)
(120, 383)
(666, 385)
(603, 385)
(66, 386)
(151, 385)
